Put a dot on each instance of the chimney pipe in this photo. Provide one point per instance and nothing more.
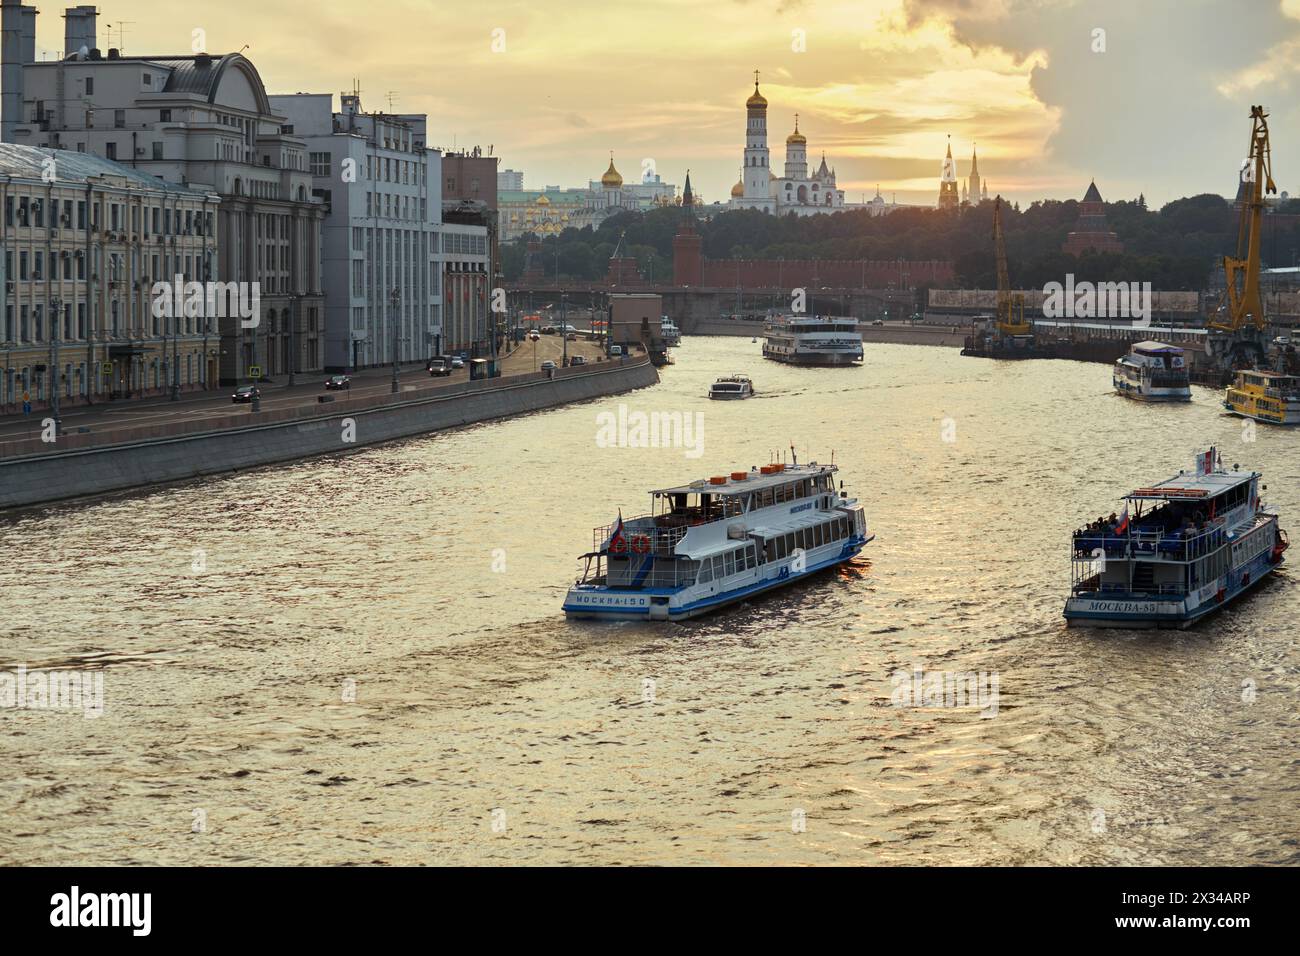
(79, 29)
(11, 68)
(28, 49)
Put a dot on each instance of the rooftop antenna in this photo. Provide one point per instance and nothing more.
(794, 458)
(121, 34)
(391, 94)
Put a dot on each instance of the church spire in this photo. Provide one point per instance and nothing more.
(974, 162)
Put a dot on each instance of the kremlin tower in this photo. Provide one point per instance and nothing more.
(1092, 231)
(688, 245)
(758, 172)
(948, 181)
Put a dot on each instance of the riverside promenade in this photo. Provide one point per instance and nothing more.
(139, 445)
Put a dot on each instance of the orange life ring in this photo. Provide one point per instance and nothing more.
(618, 544)
(640, 544)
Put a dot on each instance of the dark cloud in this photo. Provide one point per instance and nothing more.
(1147, 114)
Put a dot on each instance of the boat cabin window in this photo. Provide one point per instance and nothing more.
(728, 563)
(826, 532)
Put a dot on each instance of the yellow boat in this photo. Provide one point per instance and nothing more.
(1265, 396)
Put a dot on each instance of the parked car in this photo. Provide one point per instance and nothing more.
(246, 393)
(457, 362)
(439, 366)
(549, 330)
(338, 382)
(615, 351)
(878, 322)
(577, 360)
(548, 366)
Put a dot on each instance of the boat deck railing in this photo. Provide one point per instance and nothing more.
(1169, 590)
(1151, 545)
(659, 539)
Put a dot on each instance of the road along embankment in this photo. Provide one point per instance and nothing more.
(78, 465)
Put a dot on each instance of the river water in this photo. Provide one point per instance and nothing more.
(361, 659)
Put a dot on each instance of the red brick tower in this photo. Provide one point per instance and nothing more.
(688, 245)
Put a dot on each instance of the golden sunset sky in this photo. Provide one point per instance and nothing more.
(879, 85)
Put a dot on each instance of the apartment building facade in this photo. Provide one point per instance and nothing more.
(84, 240)
(380, 184)
(194, 120)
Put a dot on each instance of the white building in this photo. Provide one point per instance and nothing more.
(511, 179)
(798, 192)
(201, 120)
(382, 187)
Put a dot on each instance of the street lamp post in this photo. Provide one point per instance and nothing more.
(257, 398)
(176, 354)
(393, 298)
(56, 307)
(293, 342)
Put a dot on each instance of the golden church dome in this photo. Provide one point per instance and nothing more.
(738, 190)
(543, 201)
(757, 99)
(796, 136)
(611, 179)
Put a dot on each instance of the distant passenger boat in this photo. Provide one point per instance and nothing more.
(812, 340)
(714, 542)
(671, 333)
(1265, 396)
(732, 387)
(1205, 540)
(1153, 372)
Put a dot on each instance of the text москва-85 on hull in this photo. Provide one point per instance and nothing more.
(1194, 543)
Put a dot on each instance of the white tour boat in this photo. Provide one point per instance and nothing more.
(812, 340)
(1153, 372)
(732, 387)
(1193, 544)
(671, 333)
(714, 542)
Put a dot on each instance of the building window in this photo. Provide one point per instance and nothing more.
(157, 149)
(110, 150)
(147, 79)
(320, 164)
(90, 85)
(164, 116)
(119, 119)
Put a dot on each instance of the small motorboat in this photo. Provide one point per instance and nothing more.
(732, 386)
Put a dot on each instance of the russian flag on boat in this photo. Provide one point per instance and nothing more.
(617, 541)
(1123, 520)
(1205, 462)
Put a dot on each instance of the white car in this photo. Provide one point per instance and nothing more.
(615, 350)
(457, 362)
(548, 366)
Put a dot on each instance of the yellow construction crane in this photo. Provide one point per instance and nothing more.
(1241, 306)
(1011, 306)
